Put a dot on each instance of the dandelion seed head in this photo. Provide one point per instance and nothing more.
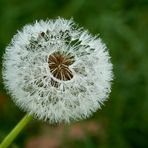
(57, 71)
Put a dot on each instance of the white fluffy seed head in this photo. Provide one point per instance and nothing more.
(57, 71)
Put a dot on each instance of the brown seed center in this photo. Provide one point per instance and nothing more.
(59, 65)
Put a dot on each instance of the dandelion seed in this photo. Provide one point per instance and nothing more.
(57, 71)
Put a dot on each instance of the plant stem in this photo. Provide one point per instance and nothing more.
(16, 130)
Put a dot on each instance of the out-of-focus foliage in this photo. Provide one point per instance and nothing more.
(123, 26)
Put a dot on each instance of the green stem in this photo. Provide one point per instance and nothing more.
(16, 130)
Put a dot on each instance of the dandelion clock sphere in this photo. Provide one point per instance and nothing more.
(56, 71)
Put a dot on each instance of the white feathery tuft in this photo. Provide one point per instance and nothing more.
(57, 71)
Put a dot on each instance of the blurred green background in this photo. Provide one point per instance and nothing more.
(123, 121)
